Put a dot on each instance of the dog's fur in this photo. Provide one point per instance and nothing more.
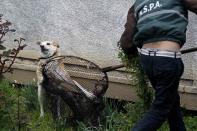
(85, 105)
(48, 49)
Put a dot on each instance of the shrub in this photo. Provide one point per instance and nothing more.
(7, 58)
(12, 107)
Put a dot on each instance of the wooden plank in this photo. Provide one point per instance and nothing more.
(116, 90)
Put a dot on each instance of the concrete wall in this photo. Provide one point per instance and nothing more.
(86, 28)
(190, 60)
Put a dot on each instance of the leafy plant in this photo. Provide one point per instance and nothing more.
(12, 107)
(7, 58)
(30, 120)
(29, 92)
(191, 123)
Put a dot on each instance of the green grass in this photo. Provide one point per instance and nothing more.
(30, 121)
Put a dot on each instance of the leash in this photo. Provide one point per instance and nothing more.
(111, 68)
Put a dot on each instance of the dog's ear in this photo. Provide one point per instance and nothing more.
(56, 44)
(38, 43)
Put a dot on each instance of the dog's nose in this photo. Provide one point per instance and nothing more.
(42, 47)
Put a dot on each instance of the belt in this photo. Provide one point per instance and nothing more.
(157, 52)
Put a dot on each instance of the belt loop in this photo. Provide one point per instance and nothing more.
(155, 53)
(174, 54)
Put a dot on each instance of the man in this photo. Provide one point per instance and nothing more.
(158, 29)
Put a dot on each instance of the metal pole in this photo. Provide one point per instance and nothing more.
(189, 50)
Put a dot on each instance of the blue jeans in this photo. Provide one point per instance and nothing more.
(164, 74)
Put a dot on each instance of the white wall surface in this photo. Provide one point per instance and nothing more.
(86, 28)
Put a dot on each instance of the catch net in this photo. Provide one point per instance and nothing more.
(87, 74)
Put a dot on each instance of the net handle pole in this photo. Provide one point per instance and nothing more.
(189, 50)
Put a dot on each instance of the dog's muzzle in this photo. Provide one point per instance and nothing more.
(43, 49)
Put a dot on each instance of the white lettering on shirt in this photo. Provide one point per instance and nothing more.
(149, 7)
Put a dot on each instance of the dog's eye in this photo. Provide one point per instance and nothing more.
(48, 43)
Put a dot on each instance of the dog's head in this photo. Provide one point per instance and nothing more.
(49, 48)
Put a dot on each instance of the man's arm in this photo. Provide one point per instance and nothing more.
(126, 40)
(191, 5)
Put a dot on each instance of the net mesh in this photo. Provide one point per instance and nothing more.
(87, 73)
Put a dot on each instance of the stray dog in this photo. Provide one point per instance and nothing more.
(53, 78)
